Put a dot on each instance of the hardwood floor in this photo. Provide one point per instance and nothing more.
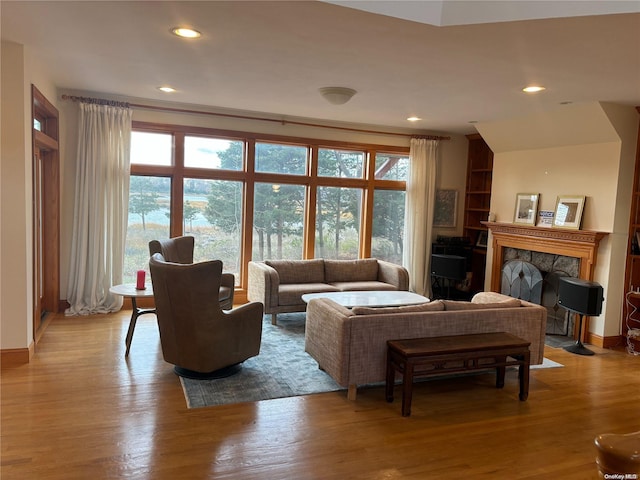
(80, 410)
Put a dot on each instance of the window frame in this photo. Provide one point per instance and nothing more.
(177, 172)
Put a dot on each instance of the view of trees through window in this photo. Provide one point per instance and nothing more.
(202, 191)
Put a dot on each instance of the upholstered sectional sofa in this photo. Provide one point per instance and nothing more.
(280, 284)
(351, 344)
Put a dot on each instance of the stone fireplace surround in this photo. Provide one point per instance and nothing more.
(580, 244)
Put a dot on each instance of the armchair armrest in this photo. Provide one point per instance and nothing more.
(263, 285)
(394, 274)
(227, 289)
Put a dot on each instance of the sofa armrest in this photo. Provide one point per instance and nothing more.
(393, 274)
(263, 285)
(328, 337)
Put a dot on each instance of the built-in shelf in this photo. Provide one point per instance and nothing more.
(477, 204)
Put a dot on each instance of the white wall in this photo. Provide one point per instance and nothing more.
(20, 69)
(586, 149)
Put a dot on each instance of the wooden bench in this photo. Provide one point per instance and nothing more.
(423, 357)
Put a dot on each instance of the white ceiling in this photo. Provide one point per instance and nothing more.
(272, 57)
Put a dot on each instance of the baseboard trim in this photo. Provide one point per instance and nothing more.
(605, 342)
(12, 357)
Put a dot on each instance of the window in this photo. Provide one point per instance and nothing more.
(149, 206)
(338, 222)
(275, 158)
(203, 152)
(249, 198)
(392, 167)
(278, 219)
(388, 225)
(340, 163)
(212, 213)
(151, 148)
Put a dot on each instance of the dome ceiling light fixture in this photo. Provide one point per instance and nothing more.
(186, 32)
(533, 89)
(337, 95)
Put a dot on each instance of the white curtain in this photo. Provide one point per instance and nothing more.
(420, 197)
(101, 206)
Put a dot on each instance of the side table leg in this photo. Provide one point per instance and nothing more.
(524, 377)
(132, 325)
(407, 389)
(500, 371)
(390, 380)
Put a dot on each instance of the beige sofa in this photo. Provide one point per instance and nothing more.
(351, 345)
(280, 284)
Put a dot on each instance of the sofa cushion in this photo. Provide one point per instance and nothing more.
(461, 305)
(350, 270)
(298, 271)
(435, 306)
(362, 285)
(291, 293)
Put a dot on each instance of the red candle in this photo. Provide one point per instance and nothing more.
(140, 282)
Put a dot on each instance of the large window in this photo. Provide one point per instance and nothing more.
(270, 197)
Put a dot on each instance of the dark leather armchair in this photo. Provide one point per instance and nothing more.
(180, 250)
(196, 335)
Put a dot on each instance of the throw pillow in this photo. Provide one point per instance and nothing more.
(435, 306)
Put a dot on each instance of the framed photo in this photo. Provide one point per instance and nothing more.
(445, 208)
(526, 208)
(569, 210)
(482, 239)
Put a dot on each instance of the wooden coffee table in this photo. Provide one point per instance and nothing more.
(369, 298)
(423, 357)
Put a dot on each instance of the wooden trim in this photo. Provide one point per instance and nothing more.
(13, 357)
(264, 137)
(605, 342)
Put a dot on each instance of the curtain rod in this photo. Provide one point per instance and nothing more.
(246, 117)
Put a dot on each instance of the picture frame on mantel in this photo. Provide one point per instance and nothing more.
(569, 209)
(526, 208)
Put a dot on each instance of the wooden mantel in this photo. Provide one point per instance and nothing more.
(581, 244)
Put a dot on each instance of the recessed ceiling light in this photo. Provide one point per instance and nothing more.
(473, 121)
(533, 89)
(167, 89)
(185, 32)
(414, 119)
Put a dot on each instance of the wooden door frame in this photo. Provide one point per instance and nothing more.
(45, 141)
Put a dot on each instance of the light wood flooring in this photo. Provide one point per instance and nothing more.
(80, 410)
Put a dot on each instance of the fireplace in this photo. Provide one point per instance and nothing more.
(580, 245)
(535, 277)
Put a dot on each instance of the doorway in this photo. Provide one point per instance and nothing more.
(46, 212)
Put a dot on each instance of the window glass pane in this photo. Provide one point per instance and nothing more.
(149, 204)
(151, 148)
(203, 152)
(340, 163)
(392, 167)
(388, 225)
(212, 213)
(278, 221)
(275, 158)
(338, 222)
(37, 125)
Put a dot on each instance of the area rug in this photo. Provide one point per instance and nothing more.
(283, 369)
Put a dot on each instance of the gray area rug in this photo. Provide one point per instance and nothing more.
(283, 369)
